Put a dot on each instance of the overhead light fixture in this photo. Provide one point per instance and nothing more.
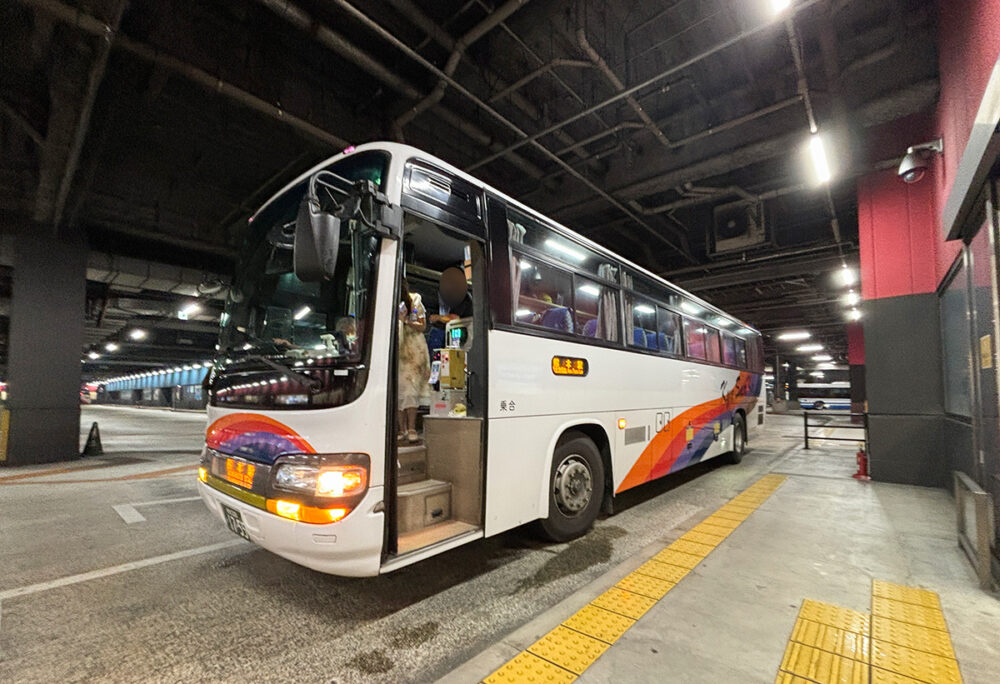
(822, 357)
(818, 374)
(642, 308)
(854, 315)
(691, 308)
(590, 289)
(848, 275)
(809, 348)
(780, 6)
(302, 313)
(565, 249)
(188, 310)
(523, 312)
(137, 334)
(852, 298)
(794, 335)
(723, 323)
(111, 347)
(821, 165)
(93, 356)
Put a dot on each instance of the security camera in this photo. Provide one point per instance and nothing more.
(917, 159)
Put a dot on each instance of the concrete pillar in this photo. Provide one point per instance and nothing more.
(44, 348)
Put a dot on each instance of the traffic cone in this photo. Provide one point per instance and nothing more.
(93, 446)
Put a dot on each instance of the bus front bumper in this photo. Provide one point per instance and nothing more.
(351, 547)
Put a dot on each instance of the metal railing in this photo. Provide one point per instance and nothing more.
(863, 426)
(975, 526)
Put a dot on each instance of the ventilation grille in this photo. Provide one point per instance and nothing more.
(635, 434)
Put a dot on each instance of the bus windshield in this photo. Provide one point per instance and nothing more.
(286, 343)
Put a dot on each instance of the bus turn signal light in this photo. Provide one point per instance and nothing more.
(622, 423)
(307, 514)
(202, 474)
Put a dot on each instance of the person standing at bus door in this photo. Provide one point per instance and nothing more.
(413, 364)
(454, 300)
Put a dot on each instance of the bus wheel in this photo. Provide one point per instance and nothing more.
(819, 406)
(739, 439)
(576, 489)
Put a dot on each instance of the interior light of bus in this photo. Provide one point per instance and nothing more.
(340, 481)
(302, 313)
(589, 289)
(622, 423)
(690, 308)
(642, 308)
(565, 249)
(523, 312)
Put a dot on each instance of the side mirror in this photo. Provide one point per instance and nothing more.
(317, 239)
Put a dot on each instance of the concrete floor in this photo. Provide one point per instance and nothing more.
(175, 597)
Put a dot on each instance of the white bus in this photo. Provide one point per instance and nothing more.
(825, 395)
(583, 374)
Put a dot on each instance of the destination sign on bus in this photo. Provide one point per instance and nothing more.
(568, 365)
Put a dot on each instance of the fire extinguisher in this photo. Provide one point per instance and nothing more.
(862, 459)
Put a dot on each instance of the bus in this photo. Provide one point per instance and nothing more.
(825, 395)
(577, 375)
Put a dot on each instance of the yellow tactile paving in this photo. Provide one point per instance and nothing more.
(678, 558)
(569, 649)
(835, 616)
(691, 547)
(527, 668)
(627, 603)
(721, 531)
(919, 665)
(724, 522)
(663, 571)
(919, 638)
(899, 592)
(599, 623)
(789, 678)
(702, 538)
(832, 639)
(880, 676)
(908, 612)
(644, 584)
(822, 666)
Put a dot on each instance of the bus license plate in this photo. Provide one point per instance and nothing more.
(234, 521)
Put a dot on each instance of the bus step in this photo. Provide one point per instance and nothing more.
(422, 504)
(412, 464)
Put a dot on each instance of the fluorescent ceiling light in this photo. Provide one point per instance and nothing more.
(93, 356)
(794, 335)
(642, 308)
(111, 346)
(191, 308)
(854, 315)
(723, 323)
(565, 249)
(137, 334)
(523, 312)
(822, 357)
(817, 150)
(690, 308)
(589, 289)
(852, 298)
(848, 276)
(302, 313)
(525, 265)
(809, 348)
(780, 6)
(818, 374)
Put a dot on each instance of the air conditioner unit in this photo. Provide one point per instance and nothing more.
(738, 226)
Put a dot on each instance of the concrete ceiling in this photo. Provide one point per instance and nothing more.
(156, 127)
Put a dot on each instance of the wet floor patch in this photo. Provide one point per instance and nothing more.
(584, 553)
(371, 662)
(412, 637)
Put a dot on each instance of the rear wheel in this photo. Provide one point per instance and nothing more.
(576, 488)
(819, 405)
(739, 439)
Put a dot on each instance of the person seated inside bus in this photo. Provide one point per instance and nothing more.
(413, 363)
(454, 301)
(347, 333)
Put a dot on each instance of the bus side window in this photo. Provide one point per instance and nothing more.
(741, 352)
(642, 323)
(543, 296)
(596, 309)
(728, 349)
(712, 344)
(668, 331)
(694, 338)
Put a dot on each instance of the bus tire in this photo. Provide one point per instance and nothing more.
(819, 405)
(576, 489)
(739, 439)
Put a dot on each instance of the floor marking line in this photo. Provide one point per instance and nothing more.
(136, 476)
(129, 514)
(180, 499)
(116, 569)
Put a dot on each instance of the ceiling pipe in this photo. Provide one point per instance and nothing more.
(612, 78)
(540, 71)
(514, 128)
(623, 126)
(461, 45)
(336, 42)
(632, 90)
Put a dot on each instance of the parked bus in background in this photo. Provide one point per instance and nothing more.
(577, 376)
(825, 395)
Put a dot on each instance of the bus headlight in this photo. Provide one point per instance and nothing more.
(322, 476)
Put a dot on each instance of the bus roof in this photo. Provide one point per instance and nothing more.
(408, 151)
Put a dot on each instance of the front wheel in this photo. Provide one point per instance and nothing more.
(739, 439)
(576, 488)
(819, 405)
